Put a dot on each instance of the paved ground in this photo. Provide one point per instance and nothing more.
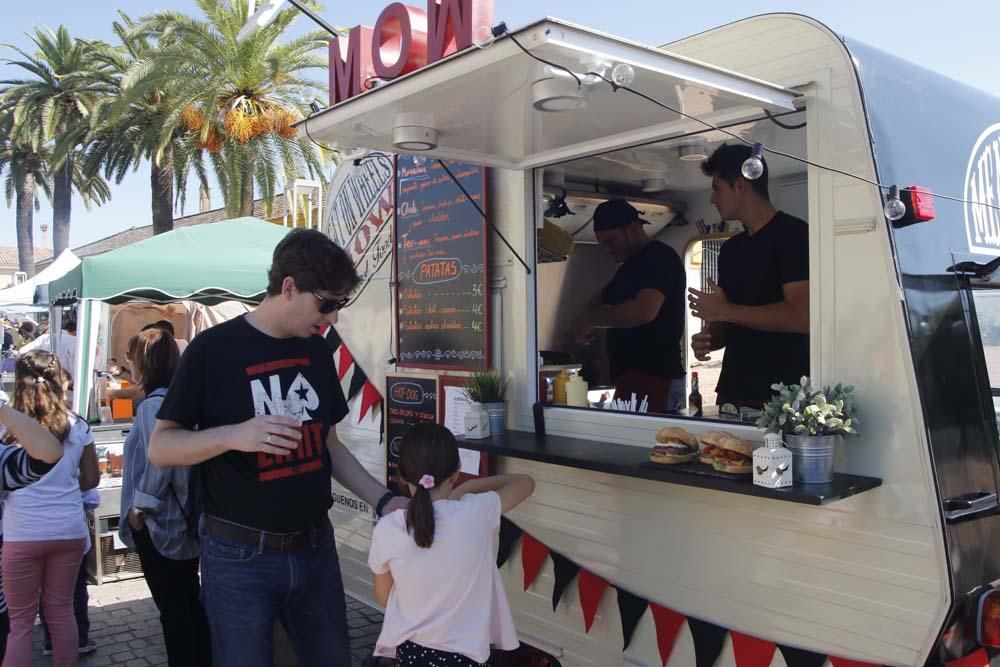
(125, 625)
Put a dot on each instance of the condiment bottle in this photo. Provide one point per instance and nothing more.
(694, 400)
(559, 388)
(576, 391)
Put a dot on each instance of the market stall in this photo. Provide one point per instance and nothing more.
(885, 563)
(197, 276)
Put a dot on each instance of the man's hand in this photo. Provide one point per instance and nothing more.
(396, 503)
(581, 330)
(709, 306)
(271, 434)
(701, 343)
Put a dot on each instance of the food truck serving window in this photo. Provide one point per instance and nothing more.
(629, 235)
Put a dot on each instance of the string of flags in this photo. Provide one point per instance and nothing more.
(709, 638)
(359, 382)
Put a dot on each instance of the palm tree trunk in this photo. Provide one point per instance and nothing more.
(246, 192)
(161, 181)
(25, 222)
(62, 200)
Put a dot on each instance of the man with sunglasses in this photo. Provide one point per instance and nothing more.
(254, 404)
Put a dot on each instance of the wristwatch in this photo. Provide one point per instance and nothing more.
(4, 399)
(380, 505)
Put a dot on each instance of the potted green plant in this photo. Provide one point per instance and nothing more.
(812, 423)
(489, 388)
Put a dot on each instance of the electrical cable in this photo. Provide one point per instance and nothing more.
(583, 226)
(615, 87)
(774, 119)
(482, 213)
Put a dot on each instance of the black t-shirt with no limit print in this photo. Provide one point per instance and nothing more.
(753, 269)
(653, 348)
(232, 373)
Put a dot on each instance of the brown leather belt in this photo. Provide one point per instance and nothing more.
(283, 542)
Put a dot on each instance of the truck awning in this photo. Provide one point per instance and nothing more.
(482, 104)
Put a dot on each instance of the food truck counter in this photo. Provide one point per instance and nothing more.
(632, 461)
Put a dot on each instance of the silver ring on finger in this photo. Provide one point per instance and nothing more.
(268, 439)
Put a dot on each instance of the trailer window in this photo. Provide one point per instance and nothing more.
(988, 315)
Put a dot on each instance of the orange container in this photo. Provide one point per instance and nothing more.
(121, 408)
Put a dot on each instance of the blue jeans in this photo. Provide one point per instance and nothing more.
(245, 589)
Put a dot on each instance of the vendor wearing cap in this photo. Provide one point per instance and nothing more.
(642, 308)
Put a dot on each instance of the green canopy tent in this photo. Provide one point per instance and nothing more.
(207, 264)
(222, 261)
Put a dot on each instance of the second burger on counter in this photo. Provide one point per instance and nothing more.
(674, 445)
(726, 453)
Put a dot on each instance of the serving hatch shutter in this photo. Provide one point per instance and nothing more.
(482, 102)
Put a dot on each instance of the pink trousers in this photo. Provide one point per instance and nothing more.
(48, 568)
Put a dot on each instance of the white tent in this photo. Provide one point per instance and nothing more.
(23, 294)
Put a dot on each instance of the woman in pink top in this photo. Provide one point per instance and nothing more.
(435, 569)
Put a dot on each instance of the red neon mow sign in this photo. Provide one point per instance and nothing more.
(404, 39)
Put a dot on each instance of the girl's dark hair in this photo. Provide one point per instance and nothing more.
(38, 392)
(426, 449)
(153, 354)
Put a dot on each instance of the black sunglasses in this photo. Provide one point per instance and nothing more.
(327, 306)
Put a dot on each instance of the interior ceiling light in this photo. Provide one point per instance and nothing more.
(557, 94)
(693, 152)
(653, 185)
(413, 132)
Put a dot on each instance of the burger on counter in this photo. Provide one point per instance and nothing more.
(726, 453)
(674, 445)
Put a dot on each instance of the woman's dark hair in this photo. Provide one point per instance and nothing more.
(154, 356)
(726, 162)
(39, 393)
(314, 261)
(166, 325)
(426, 449)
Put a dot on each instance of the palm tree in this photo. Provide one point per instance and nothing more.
(129, 129)
(236, 100)
(56, 99)
(26, 172)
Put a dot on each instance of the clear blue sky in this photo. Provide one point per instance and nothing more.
(957, 38)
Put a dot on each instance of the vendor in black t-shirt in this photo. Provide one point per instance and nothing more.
(642, 308)
(759, 311)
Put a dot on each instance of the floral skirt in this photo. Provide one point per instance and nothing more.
(409, 654)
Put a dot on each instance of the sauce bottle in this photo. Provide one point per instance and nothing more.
(694, 400)
(576, 391)
(559, 388)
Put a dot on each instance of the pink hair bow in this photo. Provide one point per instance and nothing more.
(427, 481)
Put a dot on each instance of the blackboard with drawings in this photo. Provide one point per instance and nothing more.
(441, 266)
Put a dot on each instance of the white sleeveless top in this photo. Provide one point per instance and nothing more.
(448, 597)
(52, 507)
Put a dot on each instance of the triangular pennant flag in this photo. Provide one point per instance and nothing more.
(346, 359)
(533, 554)
(369, 398)
(846, 662)
(752, 652)
(591, 588)
(565, 572)
(358, 380)
(976, 659)
(509, 534)
(631, 607)
(668, 624)
(798, 657)
(333, 340)
(708, 641)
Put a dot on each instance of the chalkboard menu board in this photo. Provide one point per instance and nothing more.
(408, 401)
(441, 260)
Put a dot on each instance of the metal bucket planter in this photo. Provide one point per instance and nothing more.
(812, 457)
(498, 417)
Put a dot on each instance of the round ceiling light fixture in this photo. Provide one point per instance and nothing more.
(557, 94)
(654, 185)
(693, 150)
(413, 132)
